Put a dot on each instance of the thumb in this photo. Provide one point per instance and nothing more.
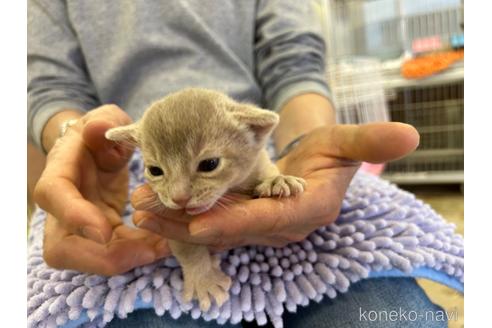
(373, 142)
(109, 155)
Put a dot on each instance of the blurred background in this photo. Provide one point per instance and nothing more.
(396, 60)
(402, 60)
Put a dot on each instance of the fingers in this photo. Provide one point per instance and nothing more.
(60, 198)
(144, 199)
(57, 192)
(109, 155)
(273, 221)
(163, 226)
(374, 142)
(170, 229)
(70, 169)
(68, 186)
(241, 223)
(246, 221)
(65, 250)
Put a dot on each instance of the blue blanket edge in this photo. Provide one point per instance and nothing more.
(423, 272)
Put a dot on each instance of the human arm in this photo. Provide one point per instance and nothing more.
(57, 79)
(301, 115)
(290, 53)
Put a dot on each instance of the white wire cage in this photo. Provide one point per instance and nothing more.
(386, 29)
(367, 44)
(437, 113)
(356, 82)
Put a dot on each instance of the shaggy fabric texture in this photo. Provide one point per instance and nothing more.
(381, 231)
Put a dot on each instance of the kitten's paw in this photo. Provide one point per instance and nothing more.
(281, 185)
(207, 285)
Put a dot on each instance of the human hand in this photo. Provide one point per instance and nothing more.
(84, 188)
(327, 158)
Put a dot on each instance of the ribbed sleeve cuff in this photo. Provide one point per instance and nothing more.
(43, 114)
(296, 89)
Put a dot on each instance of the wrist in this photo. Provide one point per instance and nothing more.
(300, 115)
(290, 146)
(51, 130)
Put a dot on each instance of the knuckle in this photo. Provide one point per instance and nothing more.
(114, 262)
(69, 215)
(111, 107)
(325, 220)
(295, 237)
(218, 239)
(279, 243)
(52, 258)
(40, 191)
(114, 113)
(110, 266)
(298, 238)
(110, 269)
(284, 239)
(219, 248)
(327, 215)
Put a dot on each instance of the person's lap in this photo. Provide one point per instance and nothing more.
(368, 303)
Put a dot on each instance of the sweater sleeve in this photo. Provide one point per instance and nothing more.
(289, 50)
(57, 77)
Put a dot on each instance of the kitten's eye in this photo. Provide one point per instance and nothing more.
(155, 171)
(208, 165)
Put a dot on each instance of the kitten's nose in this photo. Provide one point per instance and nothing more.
(181, 200)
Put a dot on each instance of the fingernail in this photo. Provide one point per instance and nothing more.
(149, 224)
(203, 232)
(93, 234)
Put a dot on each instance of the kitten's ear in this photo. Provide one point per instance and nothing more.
(260, 121)
(127, 133)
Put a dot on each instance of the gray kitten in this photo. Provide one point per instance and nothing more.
(198, 144)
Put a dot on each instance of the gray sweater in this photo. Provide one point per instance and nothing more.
(82, 54)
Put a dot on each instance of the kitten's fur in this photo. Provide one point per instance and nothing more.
(185, 128)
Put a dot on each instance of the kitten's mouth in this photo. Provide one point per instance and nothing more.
(198, 210)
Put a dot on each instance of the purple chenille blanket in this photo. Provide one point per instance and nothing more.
(381, 231)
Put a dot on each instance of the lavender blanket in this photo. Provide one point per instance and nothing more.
(381, 231)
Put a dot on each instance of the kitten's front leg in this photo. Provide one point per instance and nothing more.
(201, 274)
(273, 183)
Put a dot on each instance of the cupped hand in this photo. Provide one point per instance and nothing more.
(83, 189)
(327, 158)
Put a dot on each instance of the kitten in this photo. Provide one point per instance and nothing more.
(198, 144)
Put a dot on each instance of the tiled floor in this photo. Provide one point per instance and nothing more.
(447, 201)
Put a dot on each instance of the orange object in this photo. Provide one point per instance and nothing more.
(428, 65)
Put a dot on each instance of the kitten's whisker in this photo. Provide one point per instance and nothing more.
(155, 206)
(125, 144)
(229, 200)
(154, 201)
(226, 201)
(221, 205)
(235, 197)
(232, 200)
